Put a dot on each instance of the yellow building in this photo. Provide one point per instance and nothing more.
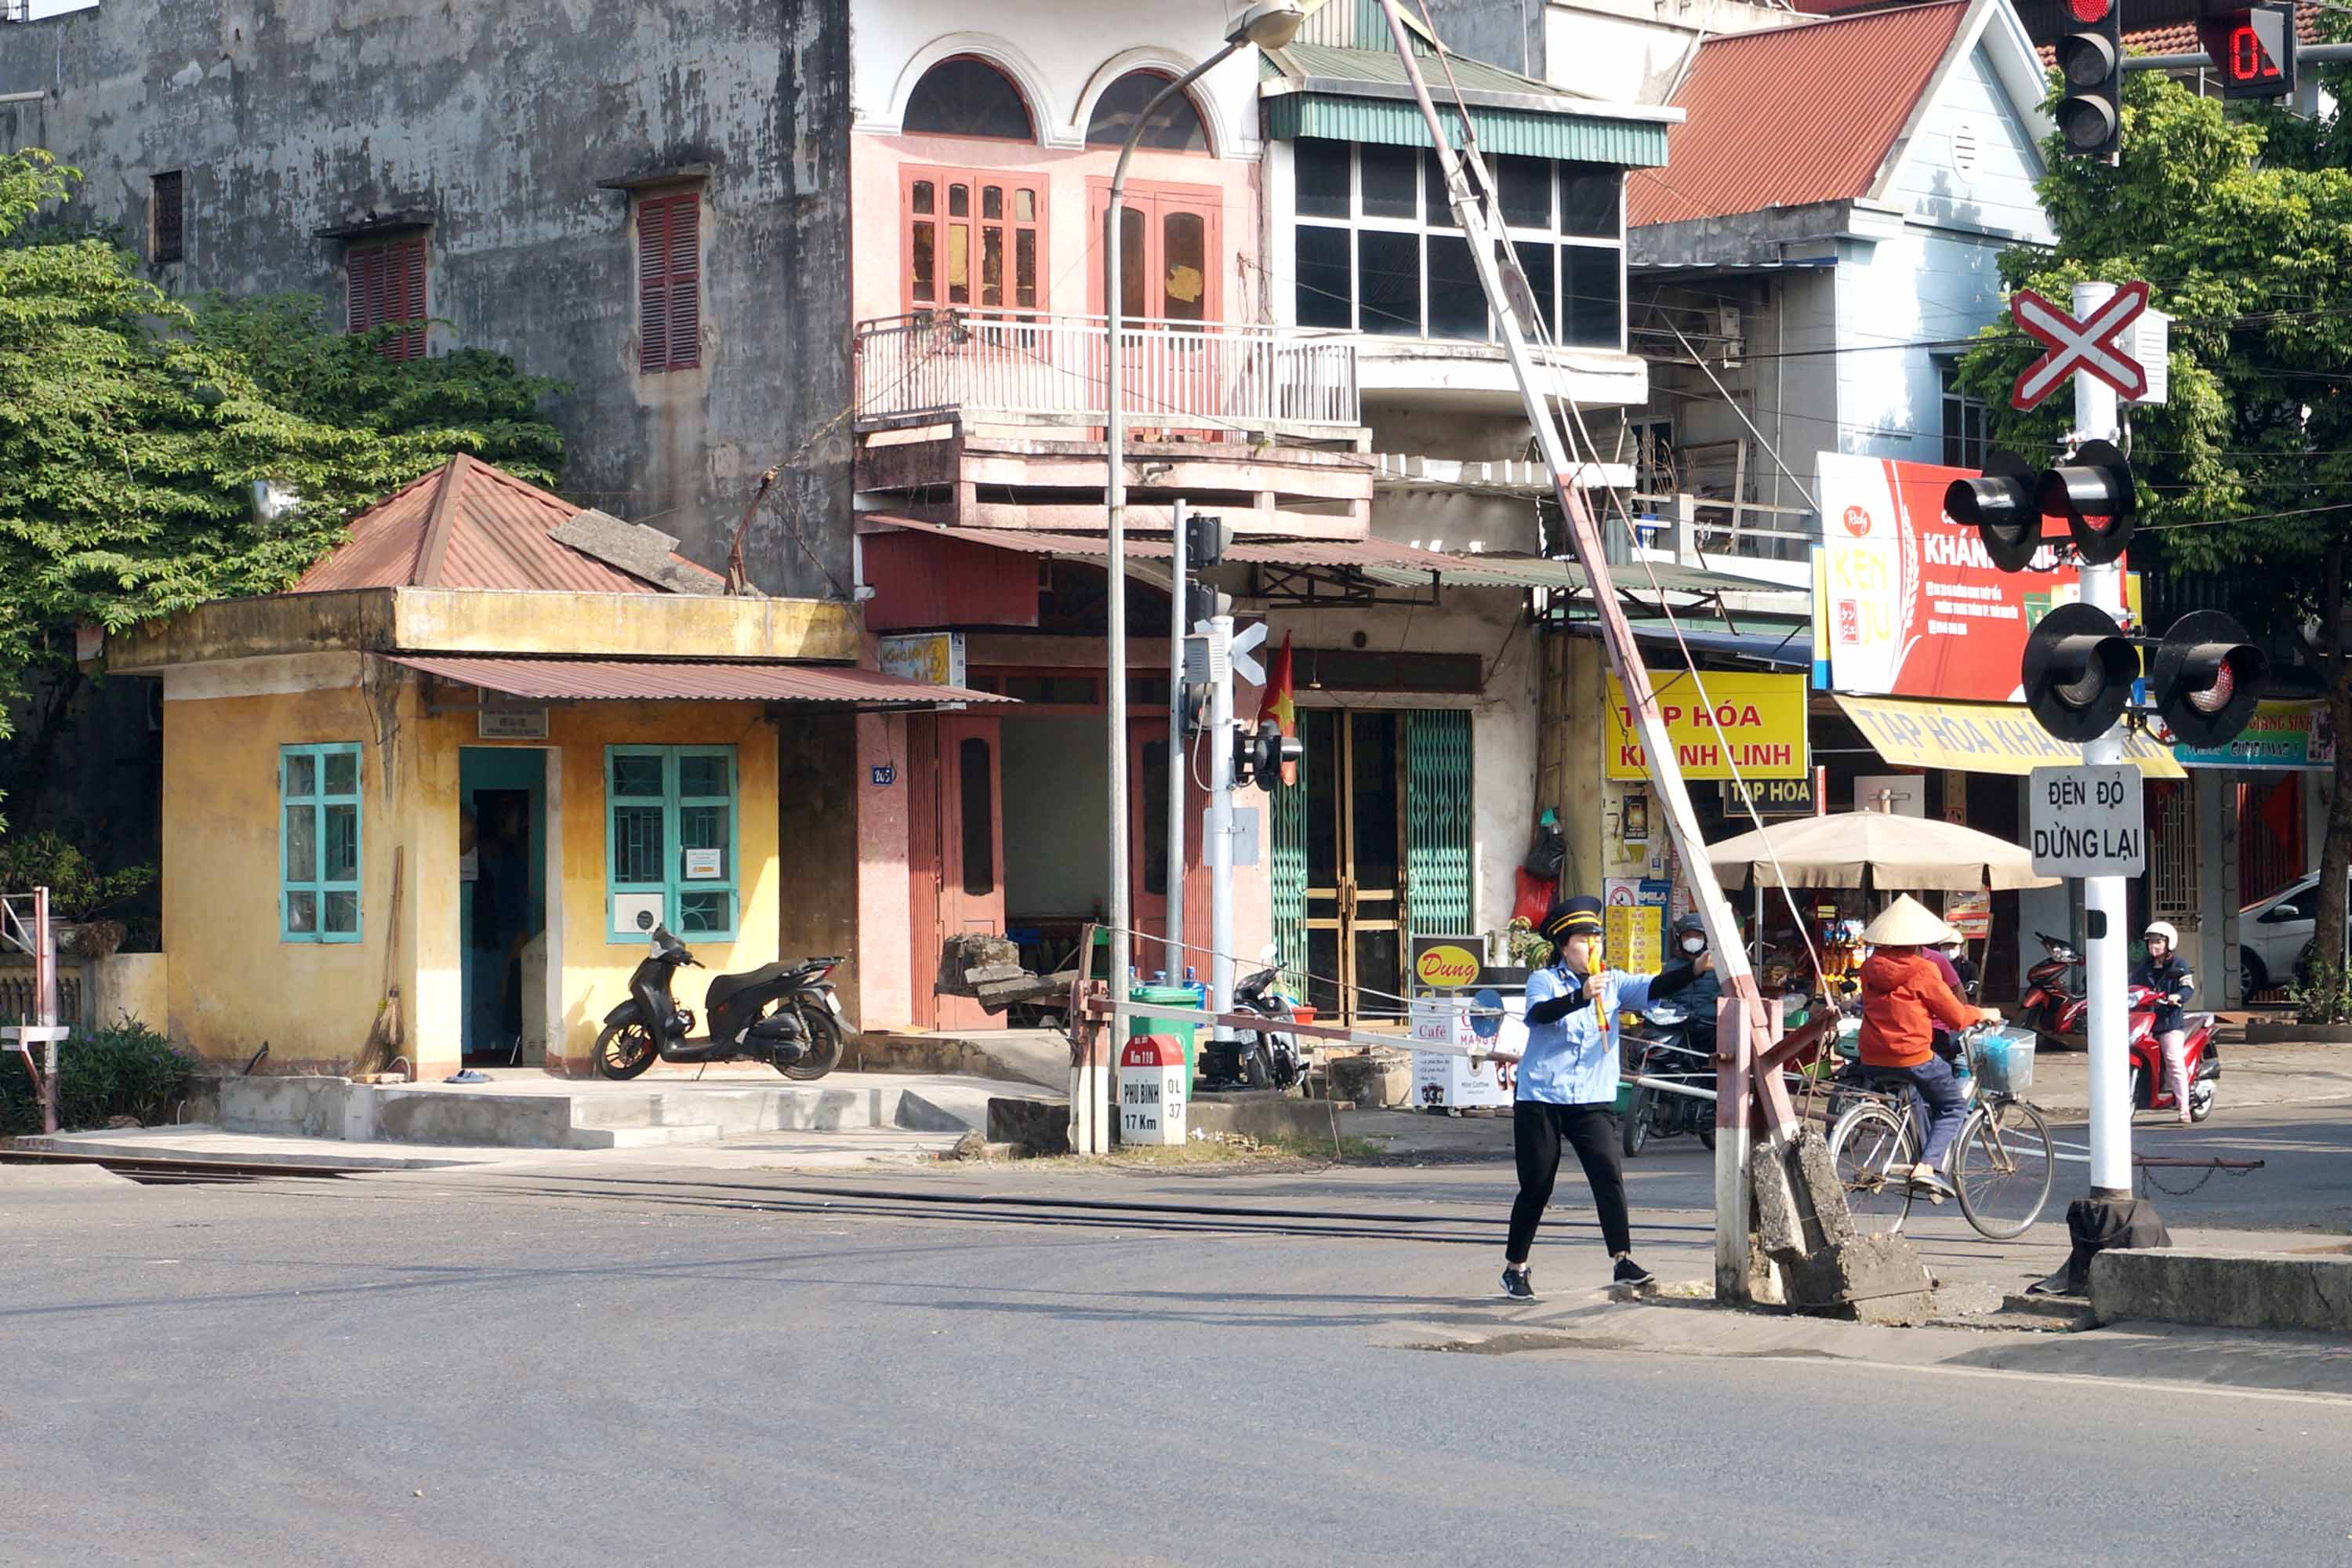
(448, 777)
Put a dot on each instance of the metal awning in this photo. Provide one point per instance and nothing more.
(687, 680)
(1791, 648)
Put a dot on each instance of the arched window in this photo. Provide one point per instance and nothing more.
(1175, 127)
(967, 97)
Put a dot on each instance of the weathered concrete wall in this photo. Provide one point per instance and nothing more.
(2224, 1290)
(496, 124)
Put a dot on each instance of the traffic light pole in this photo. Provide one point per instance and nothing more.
(1221, 817)
(1180, 605)
(2097, 419)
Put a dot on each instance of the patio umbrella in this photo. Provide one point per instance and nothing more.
(1873, 849)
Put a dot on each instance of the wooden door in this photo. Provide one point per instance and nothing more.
(956, 867)
(1169, 278)
(1147, 844)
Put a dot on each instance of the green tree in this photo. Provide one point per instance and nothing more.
(134, 428)
(2241, 223)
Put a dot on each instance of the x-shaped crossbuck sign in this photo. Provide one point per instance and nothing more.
(2088, 345)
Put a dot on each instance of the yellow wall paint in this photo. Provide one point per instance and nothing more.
(233, 983)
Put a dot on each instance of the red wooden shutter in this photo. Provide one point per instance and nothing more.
(405, 295)
(653, 286)
(364, 277)
(669, 282)
(686, 281)
(385, 285)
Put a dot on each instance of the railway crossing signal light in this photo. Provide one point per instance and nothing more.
(1259, 754)
(2208, 679)
(2094, 493)
(2091, 72)
(1206, 539)
(2007, 503)
(2079, 669)
(2252, 47)
(2004, 506)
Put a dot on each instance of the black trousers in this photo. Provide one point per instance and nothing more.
(1537, 1130)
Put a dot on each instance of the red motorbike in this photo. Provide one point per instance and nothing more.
(2149, 1090)
(2055, 1002)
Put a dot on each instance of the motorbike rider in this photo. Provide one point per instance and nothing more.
(1568, 1082)
(2164, 974)
(1903, 998)
(1698, 998)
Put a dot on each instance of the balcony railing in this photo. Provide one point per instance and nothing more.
(1178, 375)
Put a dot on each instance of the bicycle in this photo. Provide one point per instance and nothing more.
(2001, 1165)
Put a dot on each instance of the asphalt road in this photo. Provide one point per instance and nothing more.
(408, 1371)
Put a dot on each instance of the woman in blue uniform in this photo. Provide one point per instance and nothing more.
(1568, 1083)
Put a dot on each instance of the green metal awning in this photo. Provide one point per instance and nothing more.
(1361, 95)
(1630, 143)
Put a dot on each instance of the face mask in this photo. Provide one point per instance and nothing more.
(1694, 944)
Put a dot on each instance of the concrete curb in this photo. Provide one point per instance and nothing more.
(2224, 1290)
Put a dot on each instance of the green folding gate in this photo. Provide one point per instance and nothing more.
(1438, 811)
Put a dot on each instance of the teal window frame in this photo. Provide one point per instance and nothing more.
(321, 803)
(674, 884)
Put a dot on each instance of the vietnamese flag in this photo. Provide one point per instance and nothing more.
(1278, 705)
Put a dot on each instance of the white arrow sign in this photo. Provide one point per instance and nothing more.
(1248, 668)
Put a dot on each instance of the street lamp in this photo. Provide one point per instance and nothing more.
(1269, 26)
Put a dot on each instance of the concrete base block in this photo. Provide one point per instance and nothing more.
(1374, 1079)
(1034, 1126)
(2224, 1290)
(1260, 1113)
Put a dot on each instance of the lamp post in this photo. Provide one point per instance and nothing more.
(1269, 24)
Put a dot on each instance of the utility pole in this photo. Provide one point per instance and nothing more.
(1737, 1043)
(1178, 610)
(2098, 418)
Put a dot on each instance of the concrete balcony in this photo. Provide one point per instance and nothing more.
(1440, 372)
(987, 367)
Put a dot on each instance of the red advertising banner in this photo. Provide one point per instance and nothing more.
(1914, 606)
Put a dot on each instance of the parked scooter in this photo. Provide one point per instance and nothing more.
(1272, 1058)
(2055, 1002)
(1665, 1049)
(2149, 1089)
(785, 1015)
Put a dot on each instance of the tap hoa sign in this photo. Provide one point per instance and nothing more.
(1722, 725)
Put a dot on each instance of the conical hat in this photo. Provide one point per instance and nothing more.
(1907, 922)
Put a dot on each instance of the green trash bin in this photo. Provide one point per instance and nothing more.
(1138, 1024)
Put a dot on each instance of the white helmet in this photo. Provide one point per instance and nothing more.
(2162, 929)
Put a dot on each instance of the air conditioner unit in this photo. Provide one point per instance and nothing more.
(1727, 331)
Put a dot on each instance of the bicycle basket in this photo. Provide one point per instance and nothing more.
(2005, 1059)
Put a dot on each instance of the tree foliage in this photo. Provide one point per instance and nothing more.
(2240, 220)
(134, 427)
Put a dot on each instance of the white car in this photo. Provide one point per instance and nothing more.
(2273, 933)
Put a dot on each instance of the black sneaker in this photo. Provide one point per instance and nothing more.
(1517, 1286)
(1632, 1273)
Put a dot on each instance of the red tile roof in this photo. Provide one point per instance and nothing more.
(1766, 126)
(2180, 38)
(469, 524)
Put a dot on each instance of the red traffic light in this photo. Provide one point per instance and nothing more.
(2089, 12)
(2252, 48)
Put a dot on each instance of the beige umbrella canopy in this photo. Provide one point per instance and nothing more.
(1873, 849)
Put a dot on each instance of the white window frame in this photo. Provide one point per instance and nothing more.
(1357, 223)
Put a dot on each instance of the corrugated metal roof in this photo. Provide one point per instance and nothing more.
(470, 524)
(687, 680)
(1793, 115)
(1382, 64)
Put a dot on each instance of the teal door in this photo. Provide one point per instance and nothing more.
(502, 896)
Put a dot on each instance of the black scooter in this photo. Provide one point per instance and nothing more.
(784, 1014)
(1270, 1058)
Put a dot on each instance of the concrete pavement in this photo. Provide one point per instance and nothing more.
(415, 1368)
